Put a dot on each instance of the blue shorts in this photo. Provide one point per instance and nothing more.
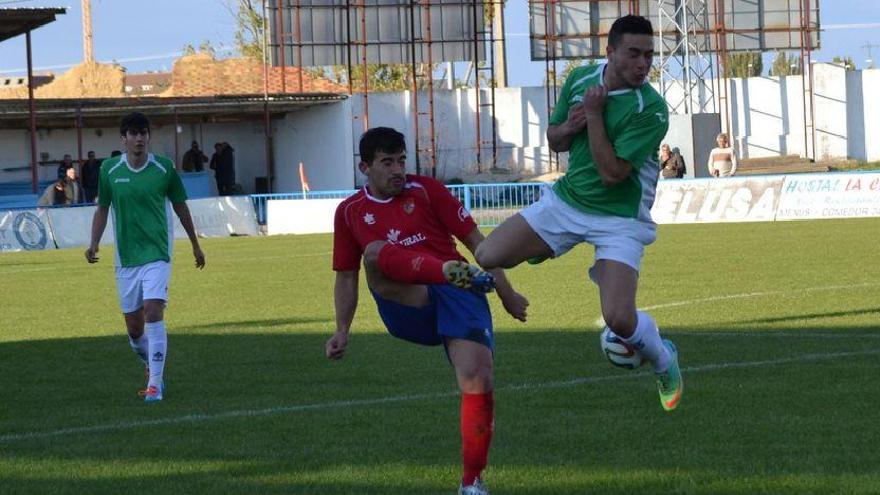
(450, 313)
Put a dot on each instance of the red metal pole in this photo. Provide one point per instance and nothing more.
(176, 142)
(33, 117)
(79, 140)
(281, 48)
(299, 50)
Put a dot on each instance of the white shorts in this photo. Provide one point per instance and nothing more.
(137, 283)
(563, 227)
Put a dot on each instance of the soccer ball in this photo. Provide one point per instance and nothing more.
(618, 352)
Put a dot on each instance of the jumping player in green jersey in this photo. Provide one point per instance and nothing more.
(611, 121)
(141, 189)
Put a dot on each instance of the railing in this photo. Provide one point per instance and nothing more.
(489, 204)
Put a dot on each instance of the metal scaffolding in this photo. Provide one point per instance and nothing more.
(298, 42)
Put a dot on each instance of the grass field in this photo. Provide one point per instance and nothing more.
(777, 325)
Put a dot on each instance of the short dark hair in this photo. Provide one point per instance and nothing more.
(629, 24)
(134, 121)
(384, 139)
(115, 153)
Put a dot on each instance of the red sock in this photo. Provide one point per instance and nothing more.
(477, 423)
(411, 267)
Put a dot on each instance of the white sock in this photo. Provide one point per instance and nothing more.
(140, 346)
(646, 338)
(158, 349)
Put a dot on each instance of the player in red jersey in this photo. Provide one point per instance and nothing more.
(402, 226)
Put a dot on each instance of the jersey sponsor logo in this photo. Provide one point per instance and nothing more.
(29, 231)
(463, 214)
(369, 219)
(413, 239)
(392, 236)
(122, 179)
(409, 205)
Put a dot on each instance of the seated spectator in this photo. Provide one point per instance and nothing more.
(53, 195)
(722, 159)
(194, 159)
(66, 163)
(671, 163)
(90, 171)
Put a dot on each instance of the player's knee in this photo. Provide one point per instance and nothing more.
(154, 310)
(476, 378)
(371, 252)
(622, 322)
(485, 257)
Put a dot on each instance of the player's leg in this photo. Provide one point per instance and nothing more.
(474, 373)
(411, 267)
(156, 277)
(547, 228)
(131, 302)
(511, 243)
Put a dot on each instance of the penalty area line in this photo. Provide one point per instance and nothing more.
(272, 411)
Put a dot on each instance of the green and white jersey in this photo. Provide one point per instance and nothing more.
(636, 120)
(142, 214)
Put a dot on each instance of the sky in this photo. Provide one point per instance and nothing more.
(149, 35)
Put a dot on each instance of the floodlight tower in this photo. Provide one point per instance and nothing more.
(684, 58)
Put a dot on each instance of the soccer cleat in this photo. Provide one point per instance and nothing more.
(669, 383)
(478, 488)
(151, 394)
(468, 276)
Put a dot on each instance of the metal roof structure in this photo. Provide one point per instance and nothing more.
(16, 21)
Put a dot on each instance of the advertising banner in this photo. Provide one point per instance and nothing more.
(717, 200)
(25, 230)
(301, 216)
(829, 196)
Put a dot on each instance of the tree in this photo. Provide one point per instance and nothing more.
(249, 25)
(380, 77)
(744, 64)
(845, 61)
(784, 65)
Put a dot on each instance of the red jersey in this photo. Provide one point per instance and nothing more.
(424, 217)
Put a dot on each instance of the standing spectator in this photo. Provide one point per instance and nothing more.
(194, 159)
(72, 189)
(722, 159)
(66, 163)
(90, 171)
(671, 163)
(223, 164)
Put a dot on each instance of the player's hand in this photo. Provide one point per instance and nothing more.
(335, 346)
(594, 100)
(199, 256)
(92, 254)
(577, 119)
(515, 304)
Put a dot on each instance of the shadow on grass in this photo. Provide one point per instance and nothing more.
(269, 322)
(267, 413)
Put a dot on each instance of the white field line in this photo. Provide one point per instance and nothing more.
(244, 413)
(600, 322)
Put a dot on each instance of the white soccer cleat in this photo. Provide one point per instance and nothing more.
(478, 488)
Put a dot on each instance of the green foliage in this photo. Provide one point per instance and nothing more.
(845, 61)
(380, 77)
(776, 324)
(744, 64)
(249, 25)
(786, 65)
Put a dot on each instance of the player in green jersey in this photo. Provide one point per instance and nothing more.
(611, 121)
(141, 189)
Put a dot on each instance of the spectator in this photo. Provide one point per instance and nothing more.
(223, 164)
(66, 163)
(671, 163)
(53, 194)
(72, 189)
(90, 171)
(722, 159)
(194, 159)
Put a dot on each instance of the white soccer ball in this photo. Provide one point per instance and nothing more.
(618, 352)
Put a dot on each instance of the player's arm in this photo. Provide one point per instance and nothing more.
(99, 223)
(186, 221)
(514, 303)
(345, 299)
(612, 169)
